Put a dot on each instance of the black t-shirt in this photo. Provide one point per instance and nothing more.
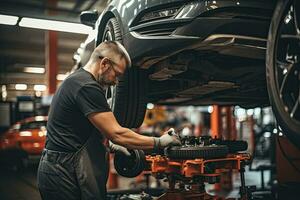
(68, 127)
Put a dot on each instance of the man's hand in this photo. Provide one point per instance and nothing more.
(169, 138)
(114, 148)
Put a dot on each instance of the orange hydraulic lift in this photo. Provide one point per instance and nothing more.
(223, 123)
(189, 169)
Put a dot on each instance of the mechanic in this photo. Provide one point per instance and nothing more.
(74, 162)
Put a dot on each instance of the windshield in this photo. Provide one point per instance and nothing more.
(33, 125)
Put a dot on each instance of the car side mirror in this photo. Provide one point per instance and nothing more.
(89, 18)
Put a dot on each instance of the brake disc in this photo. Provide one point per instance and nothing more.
(130, 166)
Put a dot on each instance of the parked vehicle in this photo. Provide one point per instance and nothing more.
(224, 52)
(24, 141)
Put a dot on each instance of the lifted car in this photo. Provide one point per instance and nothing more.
(203, 52)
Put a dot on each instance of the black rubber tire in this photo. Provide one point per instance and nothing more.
(129, 98)
(130, 166)
(290, 127)
(234, 146)
(193, 152)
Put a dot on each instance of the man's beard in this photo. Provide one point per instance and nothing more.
(104, 82)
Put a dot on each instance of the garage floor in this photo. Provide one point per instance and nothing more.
(18, 185)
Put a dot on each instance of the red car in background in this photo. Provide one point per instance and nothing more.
(24, 141)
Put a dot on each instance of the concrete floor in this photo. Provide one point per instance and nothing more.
(16, 185)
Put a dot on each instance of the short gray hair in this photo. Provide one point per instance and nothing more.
(109, 49)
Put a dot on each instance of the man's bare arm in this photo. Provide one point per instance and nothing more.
(107, 124)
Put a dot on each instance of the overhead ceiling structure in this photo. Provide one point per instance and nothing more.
(22, 50)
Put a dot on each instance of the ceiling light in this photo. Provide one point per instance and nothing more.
(3, 87)
(4, 92)
(61, 77)
(21, 86)
(39, 87)
(35, 70)
(8, 19)
(55, 25)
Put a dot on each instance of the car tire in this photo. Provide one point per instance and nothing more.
(193, 152)
(280, 71)
(128, 98)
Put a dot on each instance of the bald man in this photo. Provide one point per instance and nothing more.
(74, 162)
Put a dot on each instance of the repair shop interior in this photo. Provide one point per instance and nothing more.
(224, 74)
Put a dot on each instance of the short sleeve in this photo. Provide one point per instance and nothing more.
(91, 99)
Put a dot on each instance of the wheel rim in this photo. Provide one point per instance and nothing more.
(287, 61)
(110, 95)
(111, 90)
(108, 36)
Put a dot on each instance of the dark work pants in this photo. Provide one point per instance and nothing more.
(70, 176)
(57, 176)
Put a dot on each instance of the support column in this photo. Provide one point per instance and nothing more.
(51, 54)
(51, 60)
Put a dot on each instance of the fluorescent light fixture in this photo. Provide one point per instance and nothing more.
(21, 87)
(55, 25)
(61, 77)
(39, 87)
(35, 70)
(4, 92)
(8, 19)
(3, 87)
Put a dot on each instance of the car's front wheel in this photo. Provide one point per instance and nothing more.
(128, 98)
(283, 67)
